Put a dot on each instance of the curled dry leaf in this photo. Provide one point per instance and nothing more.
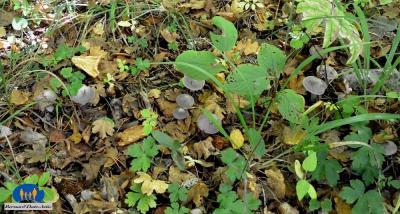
(204, 149)
(154, 93)
(131, 135)
(168, 36)
(176, 176)
(276, 181)
(89, 64)
(166, 107)
(197, 193)
(149, 185)
(293, 136)
(104, 126)
(19, 97)
(286, 208)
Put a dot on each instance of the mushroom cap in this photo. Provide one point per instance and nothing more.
(5, 131)
(185, 101)
(331, 73)
(180, 113)
(192, 84)
(85, 95)
(314, 85)
(390, 148)
(46, 99)
(207, 125)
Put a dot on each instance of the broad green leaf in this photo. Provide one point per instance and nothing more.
(326, 205)
(291, 105)
(10, 185)
(298, 169)
(198, 65)
(143, 154)
(19, 23)
(227, 40)
(165, 140)
(44, 178)
(302, 188)
(33, 179)
(313, 205)
(310, 163)
(272, 59)
(4, 194)
(247, 80)
(257, 142)
(50, 195)
(333, 18)
(311, 192)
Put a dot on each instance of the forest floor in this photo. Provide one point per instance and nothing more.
(201, 106)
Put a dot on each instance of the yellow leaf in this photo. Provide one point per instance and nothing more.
(154, 93)
(104, 126)
(98, 29)
(293, 136)
(89, 64)
(237, 138)
(197, 193)
(131, 135)
(149, 185)
(3, 31)
(276, 181)
(19, 97)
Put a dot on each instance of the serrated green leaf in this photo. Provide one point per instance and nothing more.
(50, 194)
(313, 205)
(227, 40)
(236, 164)
(326, 205)
(190, 62)
(143, 154)
(353, 193)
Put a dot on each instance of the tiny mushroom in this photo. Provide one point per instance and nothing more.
(390, 148)
(180, 113)
(84, 96)
(207, 125)
(326, 71)
(46, 99)
(192, 84)
(185, 101)
(314, 85)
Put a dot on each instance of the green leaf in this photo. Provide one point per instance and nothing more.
(326, 205)
(150, 120)
(328, 169)
(291, 105)
(313, 205)
(257, 142)
(302, 188)
(44, 178)
(311, 192)
(177, 193)
(333, 18)
(33, 179)
(166, 140)
(247, 80)
(19, 23)
(310, 163)
(10, 186)
(190, 62)
(4, 194)
(272, 59)
(50, 194)
(236, 164)
(227, 40)
(143, 154)
(142, 201)
(353, 193)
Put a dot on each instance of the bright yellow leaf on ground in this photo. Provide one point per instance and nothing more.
(149, 184)
(237, 138)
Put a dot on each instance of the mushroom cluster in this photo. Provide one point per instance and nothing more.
(184, 102)
(46, 99)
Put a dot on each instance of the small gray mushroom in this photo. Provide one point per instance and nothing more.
(180, 113)
(46, 99)
(5, 131)
(207, 125)
(192, 84)
(390, 148)
(314, 85)
(84, 96)
(327, 71)
(185, 101)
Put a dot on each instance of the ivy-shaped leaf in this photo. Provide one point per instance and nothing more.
(227, 40)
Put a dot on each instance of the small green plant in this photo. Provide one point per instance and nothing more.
(177, 194)
(370, 202)
(236, 164)
(150, 120)
(63, 52)
(50, 193)
(303, 187)
(134, 40)
(142, 202)
(142, 154)
(74, 79)
(230, 203)
(140, 65)
(173, 145)
(325, 205)
(173, 46)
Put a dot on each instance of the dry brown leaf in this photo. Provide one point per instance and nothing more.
(168, 36)
(19, 97)
(293, 136)
(166, 107)
(154, 93)
(91, 170)
(56, 136)
(180, 130)
(149, 185)
(89, 64)
(211, 104)
(194, 4)
(131, 135)
(104, 126)
(248, 46)
(197, 193)
(3, 31)
(276, 181)
(97, 51)
(112, 156)
(76, 136)
(341, 207)
(286, 208)
(36, 154)
(176, 176)
(238, 101)
(204, 149)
